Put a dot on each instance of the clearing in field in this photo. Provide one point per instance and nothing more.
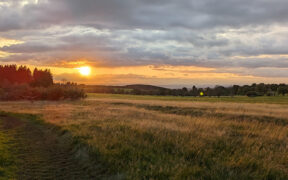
(127, 138)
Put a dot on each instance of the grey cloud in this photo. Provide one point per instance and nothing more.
(73, 43)
(124, 48)
(27, 48)
(271, 72)
(145, 14)
(17, 58)
(206, 33)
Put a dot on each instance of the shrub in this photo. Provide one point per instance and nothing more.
(270, 93)
(252, 94)
(74, 93)
(52, 93)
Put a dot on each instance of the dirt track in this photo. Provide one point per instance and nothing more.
(40, 154)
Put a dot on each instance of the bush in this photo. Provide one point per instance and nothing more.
(252, 94)
(74, 93)
(52, 93)
(64, 92)
(270, 93)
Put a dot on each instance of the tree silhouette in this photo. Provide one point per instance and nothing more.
(42, 78)
(11, 74)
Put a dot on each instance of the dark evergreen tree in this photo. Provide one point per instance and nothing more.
(42, 78)
(14, 75)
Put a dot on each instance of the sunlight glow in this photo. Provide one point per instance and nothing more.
(84, 71)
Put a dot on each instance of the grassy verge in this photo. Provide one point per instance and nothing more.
(236, 99)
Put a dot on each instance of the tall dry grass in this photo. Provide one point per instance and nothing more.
(141, 142)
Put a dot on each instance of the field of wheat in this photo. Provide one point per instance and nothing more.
(156, 139)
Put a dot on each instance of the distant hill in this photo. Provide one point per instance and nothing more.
(145, 87)
(135, 88)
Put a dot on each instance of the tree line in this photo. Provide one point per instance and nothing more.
(20, 83)
(253, 90)
(11, 74)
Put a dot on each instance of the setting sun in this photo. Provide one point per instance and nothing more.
(84, 71)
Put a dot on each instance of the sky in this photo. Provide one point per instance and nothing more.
(160, 42)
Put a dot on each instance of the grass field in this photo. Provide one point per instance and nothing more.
(148, 137)
(33, 149)
(236, 99)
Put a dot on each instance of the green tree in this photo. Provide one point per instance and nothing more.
(282, 90)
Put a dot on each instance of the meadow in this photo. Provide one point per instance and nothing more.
(236, 99)
(154, 137)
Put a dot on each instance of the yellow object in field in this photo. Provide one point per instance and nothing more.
(201, 94)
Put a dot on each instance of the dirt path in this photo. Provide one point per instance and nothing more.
(40, 154)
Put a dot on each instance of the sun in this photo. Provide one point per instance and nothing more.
(84, 71)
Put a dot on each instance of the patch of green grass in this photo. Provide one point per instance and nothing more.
(7, 160)
(235, 99)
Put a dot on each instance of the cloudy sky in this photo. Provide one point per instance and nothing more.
(161, 42)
